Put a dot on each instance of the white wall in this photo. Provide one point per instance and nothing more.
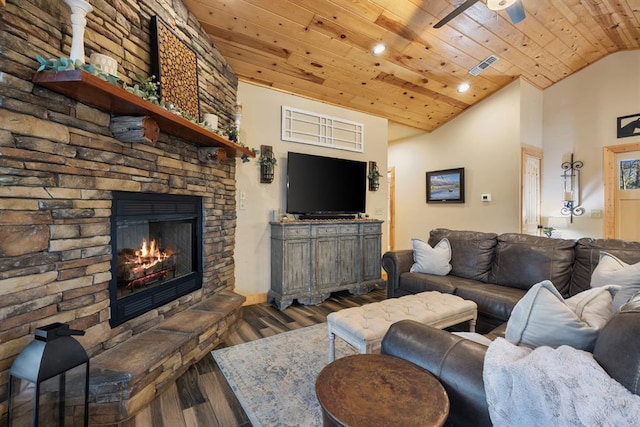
(580, 115)
(575, 115)
(485, 140)
(260, 125)
(531, 113)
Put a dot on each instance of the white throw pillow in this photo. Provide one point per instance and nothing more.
(475, 337)
(430, 260)
(543, 318)
(613, 271)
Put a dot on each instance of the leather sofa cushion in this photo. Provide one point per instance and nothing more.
(494, 301)
(472, 252)
(618, 346)
(522, 261)
(588, 254)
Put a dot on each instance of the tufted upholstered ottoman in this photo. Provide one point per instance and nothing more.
(363, 327)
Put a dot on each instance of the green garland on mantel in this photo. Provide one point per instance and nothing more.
(146, 88)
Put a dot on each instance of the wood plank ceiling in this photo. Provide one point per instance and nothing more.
(320, 49)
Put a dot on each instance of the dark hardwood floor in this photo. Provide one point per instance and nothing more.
(202, 396)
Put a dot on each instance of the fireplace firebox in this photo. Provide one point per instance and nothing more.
(156, 242)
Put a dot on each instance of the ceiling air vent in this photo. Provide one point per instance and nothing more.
(483, 65)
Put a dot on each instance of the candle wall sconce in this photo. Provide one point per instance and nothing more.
(571, 189)
(267, 164)
(374, 177)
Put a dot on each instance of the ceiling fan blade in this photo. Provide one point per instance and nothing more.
(516, 12)
(457, 11)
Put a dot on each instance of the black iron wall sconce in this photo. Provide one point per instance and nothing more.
(374, 177)
(267, 164)
(571, 189)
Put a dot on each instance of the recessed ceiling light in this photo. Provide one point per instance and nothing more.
(463, 87)
(378, 49)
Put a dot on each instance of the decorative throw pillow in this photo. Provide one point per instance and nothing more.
(613, 271)
(543, 318)
(430, 260)
(475, 337)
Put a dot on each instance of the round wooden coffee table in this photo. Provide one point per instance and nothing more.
(375, 390)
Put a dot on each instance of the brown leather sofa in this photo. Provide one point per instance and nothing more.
(495, 271)
(458, 362)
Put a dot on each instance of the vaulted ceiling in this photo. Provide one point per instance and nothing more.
(320, 49)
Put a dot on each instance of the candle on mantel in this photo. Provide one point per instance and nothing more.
(212, 120)
(79, 9)
(568, 196)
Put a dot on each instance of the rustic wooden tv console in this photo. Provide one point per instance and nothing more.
(311, 259)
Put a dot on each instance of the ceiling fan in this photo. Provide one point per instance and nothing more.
(514, 8)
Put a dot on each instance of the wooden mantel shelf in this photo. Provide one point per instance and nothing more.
(91, 90)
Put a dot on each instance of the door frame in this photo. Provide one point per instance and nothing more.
(391, 173)
(536, 152)
(610, 177)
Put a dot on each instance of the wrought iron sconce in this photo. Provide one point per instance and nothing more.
(374, 177)
(267, 164)
(571, 189)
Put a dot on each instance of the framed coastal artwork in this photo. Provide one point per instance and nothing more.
(445, 186)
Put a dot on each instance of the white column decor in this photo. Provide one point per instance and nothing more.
(79, 9)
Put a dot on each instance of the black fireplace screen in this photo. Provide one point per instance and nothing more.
(156, 244)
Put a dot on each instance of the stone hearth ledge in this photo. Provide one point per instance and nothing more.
(126, 378)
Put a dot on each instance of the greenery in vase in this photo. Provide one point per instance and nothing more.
(267, 160)
(232, 132)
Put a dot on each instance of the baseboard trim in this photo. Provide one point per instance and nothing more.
(255, 299)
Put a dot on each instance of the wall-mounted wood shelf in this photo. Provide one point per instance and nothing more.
(91, 90)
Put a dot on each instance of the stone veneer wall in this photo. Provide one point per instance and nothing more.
(59, 164)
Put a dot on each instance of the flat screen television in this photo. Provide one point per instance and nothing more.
(325, 187)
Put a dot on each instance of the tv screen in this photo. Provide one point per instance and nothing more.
(319, 185)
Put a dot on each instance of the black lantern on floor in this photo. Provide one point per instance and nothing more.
(49, 380)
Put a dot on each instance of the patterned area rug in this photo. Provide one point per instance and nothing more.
(274, 378)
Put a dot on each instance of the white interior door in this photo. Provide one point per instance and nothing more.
(531, 179)
(627, 196)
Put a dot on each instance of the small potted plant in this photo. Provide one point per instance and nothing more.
(374, 177)
(267, 164)
(548, 231)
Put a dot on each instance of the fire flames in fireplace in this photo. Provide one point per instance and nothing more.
(147, 265)
(156, 241)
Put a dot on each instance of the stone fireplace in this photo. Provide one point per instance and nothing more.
(63, 178)
(156, 242)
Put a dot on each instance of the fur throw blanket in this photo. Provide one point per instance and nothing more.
(553, 387)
